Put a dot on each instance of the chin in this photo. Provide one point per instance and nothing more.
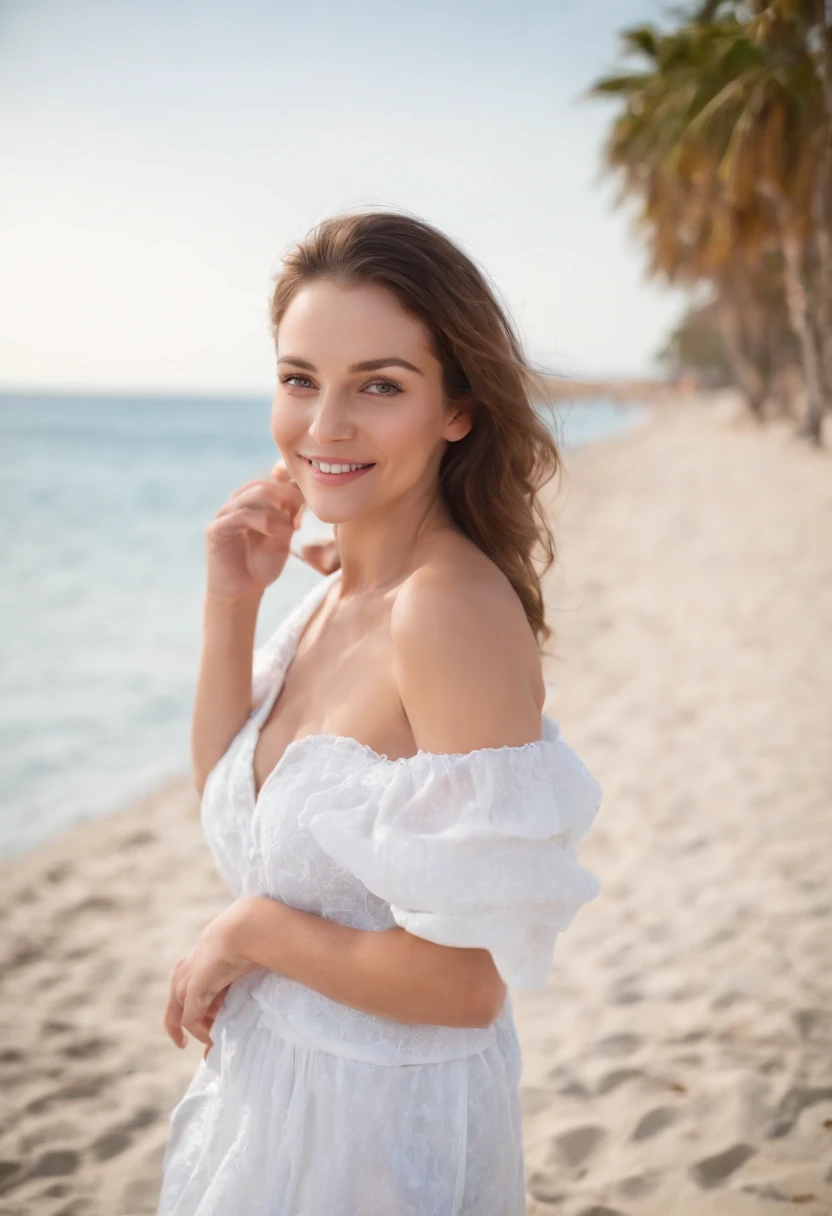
(330, 515)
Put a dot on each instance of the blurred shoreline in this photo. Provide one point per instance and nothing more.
(106, 501)
(680, 1059)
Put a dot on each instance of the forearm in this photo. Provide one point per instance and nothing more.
(389, 973)
(223, 696)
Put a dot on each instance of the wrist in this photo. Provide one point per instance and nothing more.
(253, 931)
(230, 600)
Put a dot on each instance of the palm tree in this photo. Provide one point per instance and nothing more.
(721, 140)
(767, 125)
(692, 229)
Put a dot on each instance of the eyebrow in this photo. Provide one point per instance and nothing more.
(369, 365)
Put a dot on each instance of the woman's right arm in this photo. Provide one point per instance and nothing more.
(223, 693)
(246, 547)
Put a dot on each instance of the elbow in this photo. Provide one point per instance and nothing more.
(198, 780)
(487, 1000)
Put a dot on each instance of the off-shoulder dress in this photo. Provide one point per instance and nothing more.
(306, 1107)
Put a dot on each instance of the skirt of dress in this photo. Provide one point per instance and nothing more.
(270, 1127)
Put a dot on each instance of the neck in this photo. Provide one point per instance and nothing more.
(379, 550)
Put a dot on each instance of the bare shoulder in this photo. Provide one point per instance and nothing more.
(467, 662)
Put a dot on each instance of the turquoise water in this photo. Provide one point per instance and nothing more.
(104, 503)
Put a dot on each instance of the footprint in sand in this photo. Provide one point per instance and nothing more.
(805, 1021)
(773, 1065)
(623, 1044)
(138, 839)
(600, 1209)
(622, 992)
(55, 1163)
(793, 1103)
(543, 1187)
(78, 1091)
(711, 1171)
(726, 999)
(11, 1172)
(58, 1190)
(84, 1048)
(57, 874)
(637, 1186)
(55, 1026)
(654, 1121)
(120, 1138)
(47, 1133)
(142, 1117)
(78, 952)
(91, 904)
(576, 1145)
(110, 1144)
(685, 1040)
(565, 1083)
(25, 954)
(688, 1059)
(618, 1076)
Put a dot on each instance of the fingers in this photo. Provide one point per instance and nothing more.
(194, 1011)
(172, 1017)
(266, 522)
(281, 474)
(201, 1005)
(216, 1004)
(266, 494)
(188, 1009)
(322, 555)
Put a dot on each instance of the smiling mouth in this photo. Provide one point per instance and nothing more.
(338, 468)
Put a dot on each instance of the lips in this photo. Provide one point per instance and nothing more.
(328, 460)
(336, 479)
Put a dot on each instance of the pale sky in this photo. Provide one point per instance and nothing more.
(158, 156)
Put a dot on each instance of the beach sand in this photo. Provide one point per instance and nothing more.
(680, 1061)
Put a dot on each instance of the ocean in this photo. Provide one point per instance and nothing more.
(105, 502)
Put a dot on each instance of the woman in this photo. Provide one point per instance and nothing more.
(391, 808)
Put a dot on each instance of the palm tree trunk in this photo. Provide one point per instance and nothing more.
(810, 427)
(798, 310)
(823, 199)
(824, 236)
(745, 373)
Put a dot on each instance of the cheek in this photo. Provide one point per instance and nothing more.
(284, 427)
(407, 435)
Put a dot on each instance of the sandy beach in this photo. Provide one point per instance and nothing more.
(680, 1061)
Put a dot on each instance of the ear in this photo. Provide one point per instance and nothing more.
(459, 419)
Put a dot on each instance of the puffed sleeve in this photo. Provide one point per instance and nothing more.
(475, 849)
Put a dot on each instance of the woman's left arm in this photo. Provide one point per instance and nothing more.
(468, 678)
(387, 972)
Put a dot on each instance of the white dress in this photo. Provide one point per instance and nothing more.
(306, 1107)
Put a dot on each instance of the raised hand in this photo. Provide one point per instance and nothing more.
(248, 541)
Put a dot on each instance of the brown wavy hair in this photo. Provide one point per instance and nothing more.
(490, 479)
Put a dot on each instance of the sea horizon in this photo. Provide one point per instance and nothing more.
(106, 498)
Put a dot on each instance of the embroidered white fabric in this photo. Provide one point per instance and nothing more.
(306, 1107)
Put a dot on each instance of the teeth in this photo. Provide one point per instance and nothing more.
(335, 468)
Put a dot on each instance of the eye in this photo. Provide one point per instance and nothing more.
(386, 384)
(292, 376)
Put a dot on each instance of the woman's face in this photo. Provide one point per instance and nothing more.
(331, 406)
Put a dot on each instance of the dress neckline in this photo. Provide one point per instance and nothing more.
(300, 619)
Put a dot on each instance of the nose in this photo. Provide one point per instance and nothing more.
(330, 418)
